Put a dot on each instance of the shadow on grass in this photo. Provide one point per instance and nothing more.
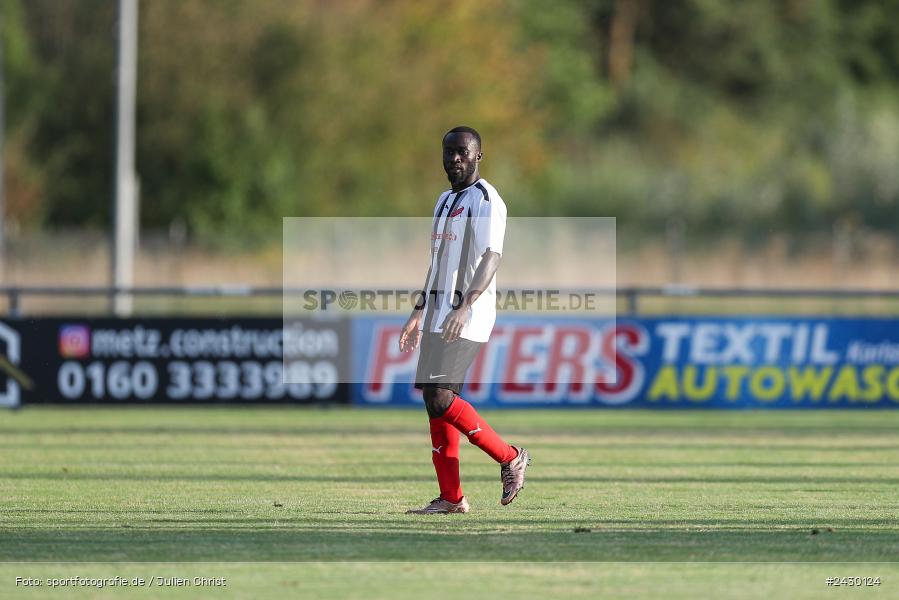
(586, 445)
(594, 437)
(382, 541)
(303, 521)
(428, 477)
(220, 431)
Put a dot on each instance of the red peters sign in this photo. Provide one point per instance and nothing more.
(525, 363)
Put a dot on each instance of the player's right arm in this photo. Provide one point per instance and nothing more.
(410, 335)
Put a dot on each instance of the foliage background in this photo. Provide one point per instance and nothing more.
(715, 115)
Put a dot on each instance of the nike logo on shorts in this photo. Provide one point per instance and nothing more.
(436, 376)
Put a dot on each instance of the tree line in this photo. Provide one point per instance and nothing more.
(745, 116)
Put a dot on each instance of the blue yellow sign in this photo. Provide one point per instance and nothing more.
(667, 362)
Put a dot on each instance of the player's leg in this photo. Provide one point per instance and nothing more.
(444, 439)
(442, 379)
(450, 364)
(445, 456)
(444, 453)
(463, 416)
(454, 360)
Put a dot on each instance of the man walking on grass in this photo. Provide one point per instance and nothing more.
(456, 320)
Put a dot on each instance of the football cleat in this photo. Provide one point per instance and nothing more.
(439, 506)
(512, 475)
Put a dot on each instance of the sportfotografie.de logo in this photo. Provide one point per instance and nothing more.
(519, 300)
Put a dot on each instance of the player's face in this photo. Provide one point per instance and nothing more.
(460, 158)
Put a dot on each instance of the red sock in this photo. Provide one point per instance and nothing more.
(466, 419)
(445, 455)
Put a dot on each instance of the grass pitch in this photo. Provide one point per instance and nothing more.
(735, 504)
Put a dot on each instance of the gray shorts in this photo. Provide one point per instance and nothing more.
(442, 364)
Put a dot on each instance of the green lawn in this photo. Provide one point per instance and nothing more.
(275, 486)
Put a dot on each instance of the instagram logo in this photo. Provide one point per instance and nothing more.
(74, 341)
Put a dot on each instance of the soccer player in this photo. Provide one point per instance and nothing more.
(456, 319)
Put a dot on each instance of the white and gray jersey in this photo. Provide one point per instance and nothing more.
(466, 224)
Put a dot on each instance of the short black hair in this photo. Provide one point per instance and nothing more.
(465, 129)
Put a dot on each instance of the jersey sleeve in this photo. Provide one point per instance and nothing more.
(490, 224)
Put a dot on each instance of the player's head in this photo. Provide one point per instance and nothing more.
(461, 155)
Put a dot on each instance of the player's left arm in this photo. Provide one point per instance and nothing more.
(483, 275)
(490, 230)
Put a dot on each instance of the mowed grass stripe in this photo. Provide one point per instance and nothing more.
(290, 484)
